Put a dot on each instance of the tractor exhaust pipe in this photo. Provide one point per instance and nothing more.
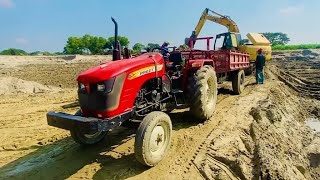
(116, 54)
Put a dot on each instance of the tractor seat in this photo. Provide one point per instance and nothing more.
(176, 58)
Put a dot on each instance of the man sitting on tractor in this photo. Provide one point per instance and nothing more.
(165, 49)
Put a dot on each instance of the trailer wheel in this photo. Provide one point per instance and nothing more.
(86, 138)
(153, 138)
(238, 82)
(203, 93)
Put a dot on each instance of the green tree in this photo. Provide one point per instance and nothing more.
(58, 53)
(152, 46)
(44, 53)
(86, 44)
(93, 44)
(277, 38)
(124, 41)
(97, 45)
(35, 53)
(74, 46)
(138, 47)
(13, 51)
(89, 44)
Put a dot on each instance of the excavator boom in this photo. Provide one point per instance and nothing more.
(217, 18)
(225, 21)
(232, 39)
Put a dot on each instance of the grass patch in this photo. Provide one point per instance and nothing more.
(296, 47)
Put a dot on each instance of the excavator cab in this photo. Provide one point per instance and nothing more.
(230, 41)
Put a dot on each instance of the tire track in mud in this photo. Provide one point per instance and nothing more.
(203, 149)
(302, 88)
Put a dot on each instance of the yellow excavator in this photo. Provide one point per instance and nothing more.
(232, 40)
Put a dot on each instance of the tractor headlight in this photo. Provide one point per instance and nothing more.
(106, 86)
(82, 86)
(101, 87)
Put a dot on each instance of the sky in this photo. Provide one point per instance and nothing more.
(45, 25)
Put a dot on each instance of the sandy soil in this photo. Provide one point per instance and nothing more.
(261, 134)
(55, 71)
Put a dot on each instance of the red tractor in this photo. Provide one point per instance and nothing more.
(143, 88)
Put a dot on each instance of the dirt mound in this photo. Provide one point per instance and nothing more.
(280, 138)
(62, 75)
(18, 61)
(275, 143)
(12, 86)
(55, 71)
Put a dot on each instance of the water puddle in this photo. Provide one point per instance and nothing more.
(314, 124)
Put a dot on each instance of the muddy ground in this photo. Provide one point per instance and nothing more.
(261, 134)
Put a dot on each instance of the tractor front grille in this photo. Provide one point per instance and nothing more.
(93, 101)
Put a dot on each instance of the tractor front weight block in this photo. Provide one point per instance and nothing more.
(68, 121)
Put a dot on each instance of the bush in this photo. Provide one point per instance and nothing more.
(45, 53)
(13, 51)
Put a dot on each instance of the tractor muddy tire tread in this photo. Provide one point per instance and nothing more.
(238, 82)
(196, 86)
(143, 136)
(79, 137)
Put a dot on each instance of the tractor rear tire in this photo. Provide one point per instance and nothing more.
(84, 138)
(153, 138)
(238, 82)
(203, 92)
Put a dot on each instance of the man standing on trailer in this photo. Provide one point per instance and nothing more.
(260, 63)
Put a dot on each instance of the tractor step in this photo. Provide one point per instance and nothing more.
(178, 97)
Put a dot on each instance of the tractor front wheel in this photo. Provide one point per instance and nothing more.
(83, 137)
(203, 92)
(238, 82)
(153, 138)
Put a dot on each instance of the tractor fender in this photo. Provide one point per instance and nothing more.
(198, 63)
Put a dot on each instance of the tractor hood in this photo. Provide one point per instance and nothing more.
(112, 69)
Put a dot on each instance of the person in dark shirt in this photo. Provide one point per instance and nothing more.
(260, 63)
(165, 49)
